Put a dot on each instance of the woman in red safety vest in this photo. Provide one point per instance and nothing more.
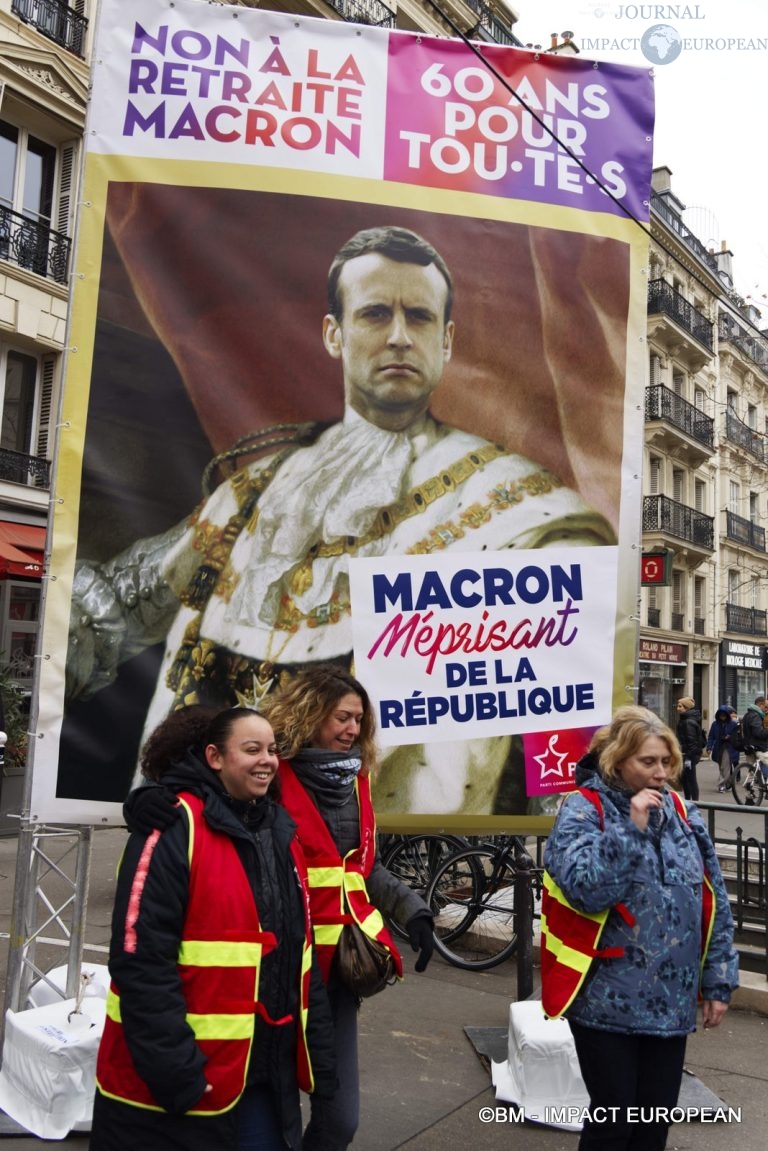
(324, 726)
(635, 926)
(217, 1013)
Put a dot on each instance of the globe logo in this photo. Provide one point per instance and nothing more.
(661, 44)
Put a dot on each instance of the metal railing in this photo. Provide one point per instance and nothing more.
(660, 206)
(661, 403)
(18, 468)
(33, 245)
(745, 620)
(55, 20)
(663, 298)
(490, 23)
(661, 514)
(371, 12)
(755, 347)
(738, 433)
(742, 860)
(743, 531)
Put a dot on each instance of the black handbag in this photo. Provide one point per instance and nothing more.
(363, 965)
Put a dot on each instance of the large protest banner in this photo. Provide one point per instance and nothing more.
(258, 470)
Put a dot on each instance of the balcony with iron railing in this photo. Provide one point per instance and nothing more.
(744, 437)
(743, 531)
(745, 620)
(668, 517)
(675, 222)
(661, 403)
(494, 28)
(370, 12)
(19, 468)
(752, 344)
(34, 246)
(665, 300)
(55, 20)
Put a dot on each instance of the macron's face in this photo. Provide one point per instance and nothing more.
(392, 340)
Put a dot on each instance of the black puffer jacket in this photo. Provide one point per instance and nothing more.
(690, 734)
(152, 1004)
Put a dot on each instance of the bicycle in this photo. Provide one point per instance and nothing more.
(472, 897)
(749, 788)
(413, 859)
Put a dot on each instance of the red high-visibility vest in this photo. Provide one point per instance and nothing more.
(219, 959)
(570, 938)
(337, 890)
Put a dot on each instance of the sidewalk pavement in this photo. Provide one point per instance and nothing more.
(423, 1085)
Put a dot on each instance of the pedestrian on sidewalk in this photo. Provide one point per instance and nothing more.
(753, 724)
(720, 744)
(325, 731)
(632, 888)
(217, 1012)
(690, 735)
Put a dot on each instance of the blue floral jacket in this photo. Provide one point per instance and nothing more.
(658, 873)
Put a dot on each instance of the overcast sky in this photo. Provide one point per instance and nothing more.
(711, 106)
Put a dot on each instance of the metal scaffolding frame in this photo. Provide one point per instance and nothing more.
(49, 908)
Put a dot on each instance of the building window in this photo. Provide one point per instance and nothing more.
(678, 485)
(678, 383)
(19, 619)
(734, 586)
(700, 399)
(734, 497)
(752, 417)
(35, 201)
(754, 507)
(654, 475)
(678, 601)
(26, 389)
(700, 496)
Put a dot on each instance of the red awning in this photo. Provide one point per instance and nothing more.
(21, 550)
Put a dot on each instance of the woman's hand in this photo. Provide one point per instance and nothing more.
(642, 804)
(712, 1011)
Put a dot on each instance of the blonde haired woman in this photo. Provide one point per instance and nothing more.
(630, 875)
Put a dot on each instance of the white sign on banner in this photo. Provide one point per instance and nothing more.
(478, 644)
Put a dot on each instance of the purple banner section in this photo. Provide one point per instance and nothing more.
(575, 134)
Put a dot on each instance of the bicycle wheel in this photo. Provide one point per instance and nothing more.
(413, 859)
(472, 897)
(756, 788)
(741, 783)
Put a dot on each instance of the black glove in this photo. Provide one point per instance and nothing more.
(419, 928)
(149, 809)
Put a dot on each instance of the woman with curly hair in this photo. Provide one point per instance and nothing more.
(325, 732)
(635, 925)
(217, 1011)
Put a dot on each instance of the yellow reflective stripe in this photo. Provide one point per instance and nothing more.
(222, 1026)
(564, 954)
(556, 893)
(325, 876)
(191, 825)
(113, 1007)
(219, 953)
(373, 923)
(327, 934)
(354, 881)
